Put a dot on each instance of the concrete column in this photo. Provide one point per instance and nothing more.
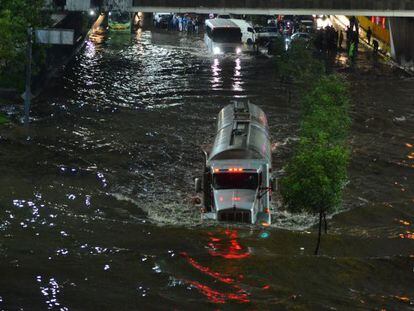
(402, 44)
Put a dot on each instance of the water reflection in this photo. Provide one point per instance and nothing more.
(90, 49)
(227, 247)
(237, 78)
(227, 283)
(216, 78)
(51, 291)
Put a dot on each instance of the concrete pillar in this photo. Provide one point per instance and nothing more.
(147, 20)
(402, 44)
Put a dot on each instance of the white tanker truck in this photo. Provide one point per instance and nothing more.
(237, 182)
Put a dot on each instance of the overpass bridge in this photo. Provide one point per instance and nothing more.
(392, 8)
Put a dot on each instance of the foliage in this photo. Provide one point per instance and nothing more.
(316, 174)
(298, 64)
(15, 17)
(325, 108)
(315, 177)
(3, 119)
(276, 46)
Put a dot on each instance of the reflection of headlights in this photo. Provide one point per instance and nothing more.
(216, 50)
(238, 50)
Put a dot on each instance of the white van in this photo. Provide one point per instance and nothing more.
(247, 30)
(222, 36)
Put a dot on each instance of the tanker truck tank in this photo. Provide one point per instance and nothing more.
(237, 182)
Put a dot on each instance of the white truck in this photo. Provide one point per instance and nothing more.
(237, 183)
(247, 30)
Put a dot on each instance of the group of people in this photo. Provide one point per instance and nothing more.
(329, 40)
(184, 23)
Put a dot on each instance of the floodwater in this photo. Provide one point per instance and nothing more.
(95, 199)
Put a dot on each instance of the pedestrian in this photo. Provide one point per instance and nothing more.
(180, 23)
(376, 45)
(185, 21)
(352, 22)
(341, 39)
(356, 39)
(348, 37)
(197, 25)
(369, 34)
(352, 52)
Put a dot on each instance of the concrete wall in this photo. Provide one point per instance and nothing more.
(402, 43)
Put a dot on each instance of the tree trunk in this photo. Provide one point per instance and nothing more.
(319, 233)
(326, 223)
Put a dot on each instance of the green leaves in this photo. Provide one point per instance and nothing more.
(298, 64)
(15, 17)
(316, 174)
(3, 119)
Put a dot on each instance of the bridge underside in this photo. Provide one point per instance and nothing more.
(393, 8)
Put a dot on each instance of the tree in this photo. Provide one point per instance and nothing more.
(317, 173)
(15, 17)
(314, 180)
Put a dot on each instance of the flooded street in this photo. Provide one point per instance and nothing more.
(95, 199)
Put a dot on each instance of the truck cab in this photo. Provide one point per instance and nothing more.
(237, 182)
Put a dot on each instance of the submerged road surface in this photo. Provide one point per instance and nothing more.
(95, 209)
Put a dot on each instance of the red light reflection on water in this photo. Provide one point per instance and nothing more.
(207, 270)
(219, 297)
(227, 248)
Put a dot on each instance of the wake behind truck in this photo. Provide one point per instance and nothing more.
(237, 182)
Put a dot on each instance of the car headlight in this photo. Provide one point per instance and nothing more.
(216, 50)
(238, 50)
